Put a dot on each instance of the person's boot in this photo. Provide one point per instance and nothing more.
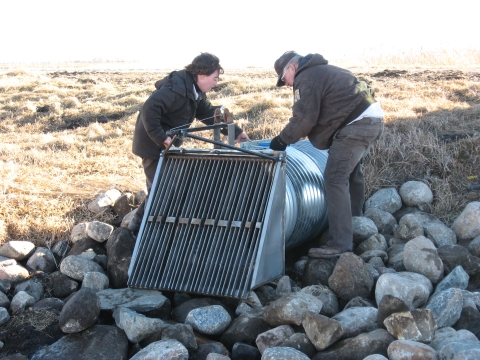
(134, 225)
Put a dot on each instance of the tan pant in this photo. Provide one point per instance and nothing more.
(344, 180)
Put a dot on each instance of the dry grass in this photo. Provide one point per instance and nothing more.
(65, 137)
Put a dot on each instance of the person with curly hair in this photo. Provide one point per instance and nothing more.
(179, 98)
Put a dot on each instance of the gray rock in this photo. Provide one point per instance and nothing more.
(474, 246)
(17, 250)
(78, 232)
(362, 228)
(87, 244)
(447, 335)
(388, 306)
(375, 357)
(124, 204)
(209, 320)
(455, 255)
(139, 300)
(460, 351)
(374, 242)
(4, 301)
(245, 329)
(5, 261)
(350, 277)
(299, 268)
(62, 285)
(369, 255)
(273, 337)
(467, 224)
(300, 342)
(76, 267)
(440, 234)
(245, 352)
(4, 316)
(383, 220)
(182, 333)
(214, 356)
(181, 312)
(283, 353)
(284, 286)
(120, 247)
(412, 288)
(469, 320)
(136, 326)
(53, 304)
(253, 300)
(407, 349)
(99, 231)
(104, 201)
(163, 349)
(42, 260)
(242, 308)
(359, 347)
(317, 272)
(416, 193)
(75, 316)
(417, 325)
(84, 345)
(128, 218)
(409, 227)
(326, 296)
(357, 320)
(20, 302)
(446, 307)
(205, 349)
(290, 308)
(61, 248)
(457, 278)
(385, 199)
(321, 330)
(95, 281)
(377, 261)
(420, 256)
(32, 288)
(359, 301)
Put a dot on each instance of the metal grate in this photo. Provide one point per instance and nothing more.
(214, 224)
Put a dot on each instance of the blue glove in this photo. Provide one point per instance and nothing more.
(277, 144)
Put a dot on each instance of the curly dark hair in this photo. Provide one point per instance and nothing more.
(204, 64)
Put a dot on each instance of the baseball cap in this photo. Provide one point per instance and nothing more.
(280, 64)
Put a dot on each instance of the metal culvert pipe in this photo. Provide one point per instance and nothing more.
(305, 201)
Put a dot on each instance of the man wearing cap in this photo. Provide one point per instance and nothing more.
(336, 111)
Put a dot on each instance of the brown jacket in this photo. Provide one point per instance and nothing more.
(173, 104)
(324, 95)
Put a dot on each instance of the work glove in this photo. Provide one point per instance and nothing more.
(277, 144)
(242, 137)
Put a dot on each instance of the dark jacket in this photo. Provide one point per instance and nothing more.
(173, 104)
(324, 96)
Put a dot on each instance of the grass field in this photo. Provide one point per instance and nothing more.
(66, 133)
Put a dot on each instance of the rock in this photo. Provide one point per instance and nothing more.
(242, 308)
(416, 193)
(446, 307)
(181, 312)
(124, 204)
(245, 352)
(207, 348)
(389, 305)
(284, 286)
(182, 333)
(474, 246)
(128, 218)
(383, 220)
(447, 335)
(358, 301)
(355, 320)
(385, 199)
(321, 331)
(17, 250)
(300, 342)
(420, 256)
(377, 261)
(299, 268)
(381, 255)
(42, 260)
(245, 329)
(317, 272)
(95, 281)
(417, 325)
(32, 288)
(412, 288)
(409, 227)
(455, 255)
(209, 320)
(20, 302)
(290, 308)
(214, 356)
(99, 231)
(4, 300)
(53, 304)
(374, 242)
(326, 296)
(75, 316)
(457, 278)
(61, 248)
(63, 286)
(136, 326)
(469, 320)
(467, 224)
(350, 277)
(375, 357)
(283, 353)
(253, 300)
(104, 201)
(147, 302)
(273, 337)
(359, 347)
(461, 350)
(120, 246)
(78, 232)
(86, 244)
(407, 349)
(76, 267)
(85, 345)
(362, 228)
(5, 261)
(4, 316)
(440, 234)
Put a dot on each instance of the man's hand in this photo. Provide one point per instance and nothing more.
(167, 141)
(242, 138)
(277, 144)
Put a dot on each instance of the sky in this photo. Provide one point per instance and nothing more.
(243, 33)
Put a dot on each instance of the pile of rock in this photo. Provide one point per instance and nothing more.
(408, 291)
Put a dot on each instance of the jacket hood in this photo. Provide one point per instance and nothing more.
(181, 82)
(311, 60)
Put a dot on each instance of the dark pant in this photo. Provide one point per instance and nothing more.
(149, 168)
(344, 180)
